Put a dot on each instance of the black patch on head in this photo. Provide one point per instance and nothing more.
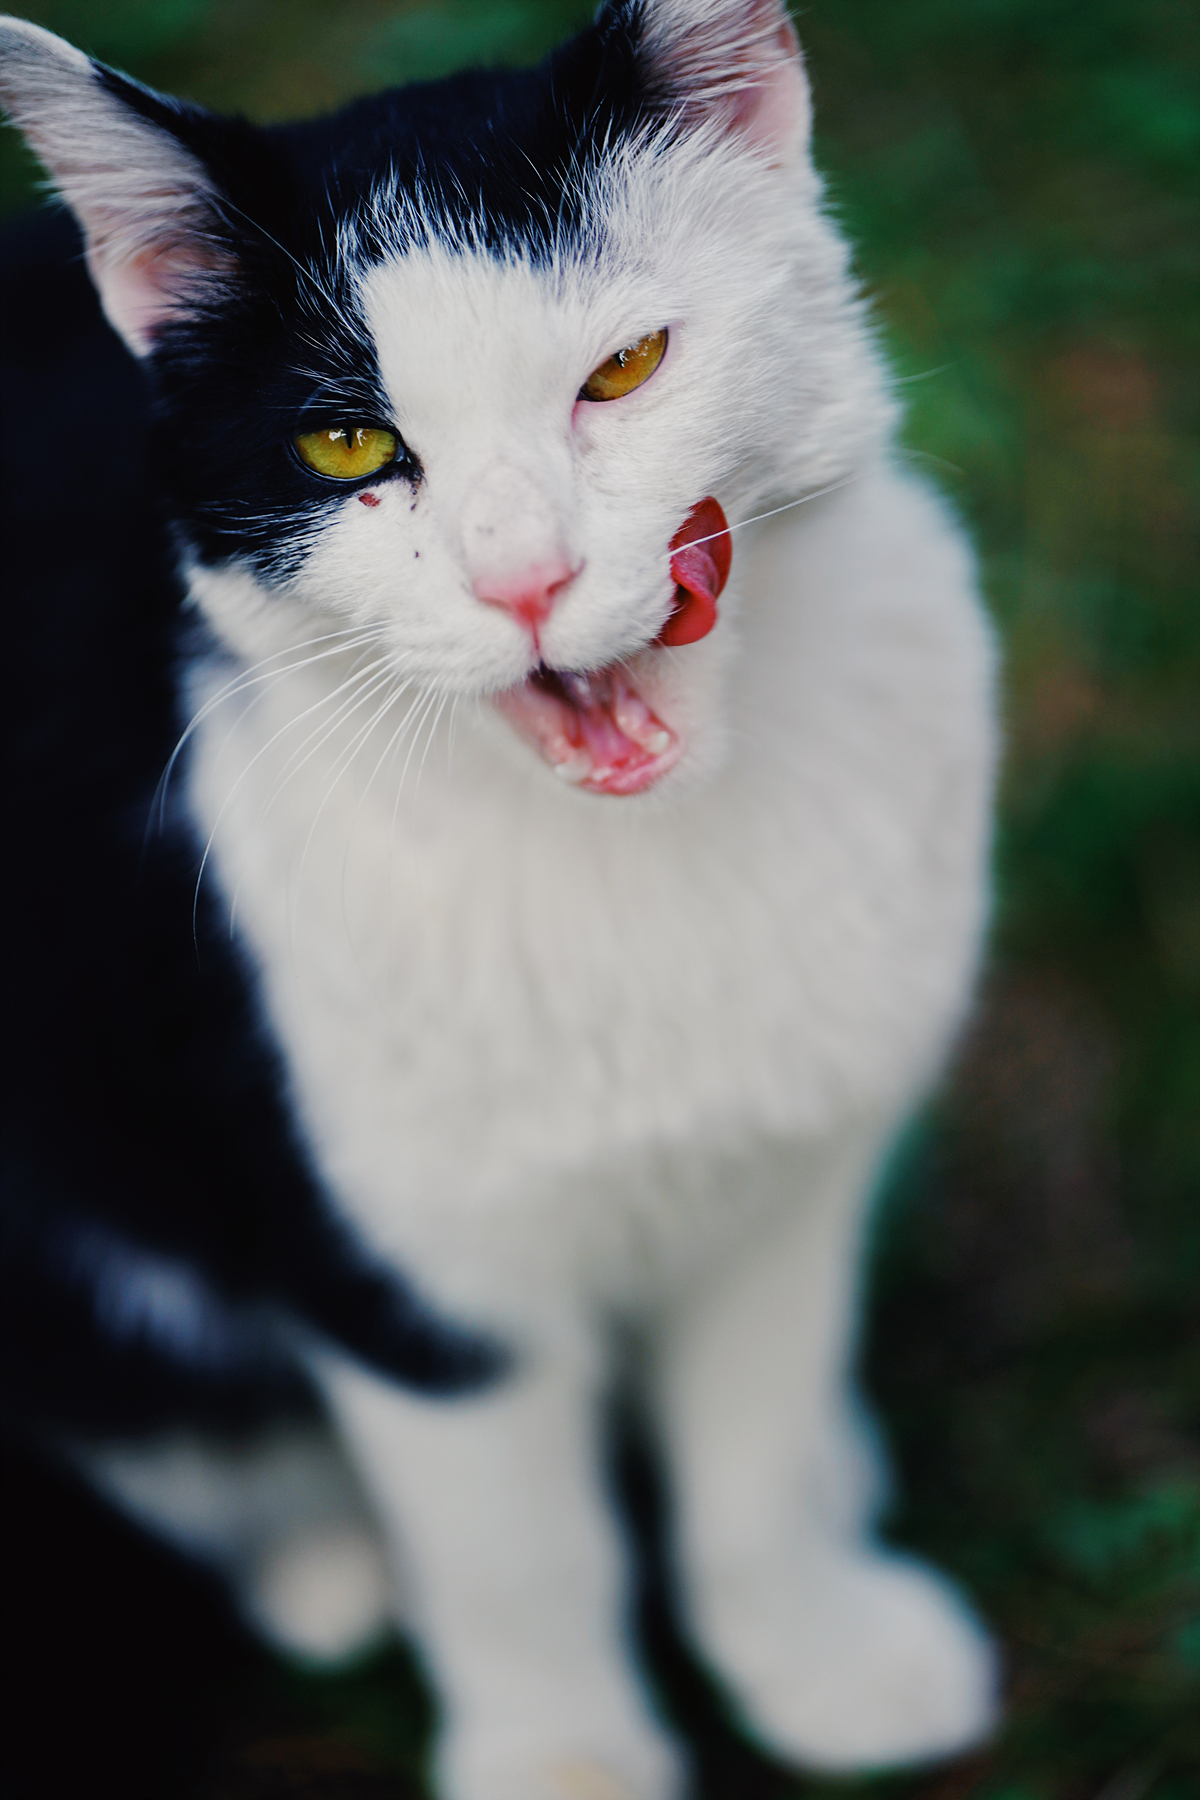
(503, 157)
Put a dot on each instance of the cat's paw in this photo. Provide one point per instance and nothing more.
(320, 1596)
(638, 1765)
(871, 1661)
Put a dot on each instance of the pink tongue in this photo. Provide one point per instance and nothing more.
(596, 731)
(702, 551)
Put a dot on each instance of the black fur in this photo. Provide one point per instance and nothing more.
(154, 1178)
(145, 1105)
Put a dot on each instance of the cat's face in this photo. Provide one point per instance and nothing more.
(383, 349)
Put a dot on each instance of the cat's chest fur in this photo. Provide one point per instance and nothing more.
(503, 1004)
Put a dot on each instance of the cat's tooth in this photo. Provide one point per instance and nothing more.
(632, 714)
(634, 718)
(574, 768)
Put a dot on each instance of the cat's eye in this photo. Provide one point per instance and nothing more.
(347, 452)
(626, 370)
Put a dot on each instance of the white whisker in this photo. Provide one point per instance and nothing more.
(362, 799)
(380, 674)
(265, 694)
(342, 762)
(429, 744)
(313, 741)
(229, 798)
(248, 678)
(412, 747)
(803, 500)
(450, 730)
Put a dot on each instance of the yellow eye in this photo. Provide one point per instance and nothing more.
(347, 452)
(626, 370)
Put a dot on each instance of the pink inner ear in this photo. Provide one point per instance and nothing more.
(141, 292)
(738, 62)
(773, 111)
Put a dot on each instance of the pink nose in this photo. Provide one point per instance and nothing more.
(531, 593)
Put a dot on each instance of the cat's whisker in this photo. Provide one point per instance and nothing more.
(429, 744)
(237, 684)
(927, 456)
(922, 375)
(232, 794)
(364, 665)
(757, 518)
(419, 701)
(398, 740)
(267, 692)
(450, 730)
(388, 748)
(391, 751)
(270, 681)
(323, 700)
(362, 799)
(244, 678)
(324, 730)
(416, 738)
(341, 764)
(321, 732)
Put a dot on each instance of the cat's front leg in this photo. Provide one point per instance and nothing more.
(838, 1653)
(496, 1510)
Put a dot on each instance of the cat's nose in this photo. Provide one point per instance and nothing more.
(529, 593)
(513, 546)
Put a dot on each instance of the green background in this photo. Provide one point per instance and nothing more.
(1022, 181)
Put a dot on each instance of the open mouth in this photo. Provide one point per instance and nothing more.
(595, 729)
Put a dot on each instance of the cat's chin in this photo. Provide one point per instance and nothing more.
(595, 730)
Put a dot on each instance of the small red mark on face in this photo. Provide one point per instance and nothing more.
(369, 499)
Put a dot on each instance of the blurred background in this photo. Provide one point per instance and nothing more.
(1022, 181)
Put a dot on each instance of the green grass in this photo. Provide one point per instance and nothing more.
(1022, 179)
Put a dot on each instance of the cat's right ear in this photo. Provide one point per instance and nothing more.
(730, 65)
(149, 209)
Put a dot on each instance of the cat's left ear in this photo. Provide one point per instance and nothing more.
(736, 63)
(149, 209)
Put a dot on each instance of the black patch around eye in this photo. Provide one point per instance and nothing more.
(230, 403)
(499, 158)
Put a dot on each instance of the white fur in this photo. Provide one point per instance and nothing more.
(578, 1062)
(284, 1520)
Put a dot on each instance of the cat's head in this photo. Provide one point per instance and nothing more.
(460, 369)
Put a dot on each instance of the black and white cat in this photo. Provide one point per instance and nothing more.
(591, 747)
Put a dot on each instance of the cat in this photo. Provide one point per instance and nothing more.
(572, 873)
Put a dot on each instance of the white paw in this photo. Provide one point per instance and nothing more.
(637, 1766)
(869, 1661)
(320, 1595)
